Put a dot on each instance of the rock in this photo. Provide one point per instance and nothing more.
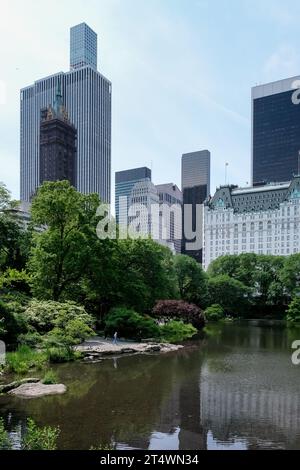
(127, 351)
(8, 387)
(35, 390)
(154, 348)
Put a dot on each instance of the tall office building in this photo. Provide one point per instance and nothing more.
(57, 144)
(83, 47)
(195, 174)
(124, 184)
(275, 132)
(170, 200)
(87, 97)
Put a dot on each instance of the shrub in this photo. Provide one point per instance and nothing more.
(44, 316)
(214, 313)
(293, 313)
(180, 310)
(130, 324)
(11, 324)
(177, 331)
(40, 438)
(5, 442)
(50, 378)
(25, 358)
(74, 332)
(31, 339)
(60, 354)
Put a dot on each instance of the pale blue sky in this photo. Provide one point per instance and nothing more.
(182, 72)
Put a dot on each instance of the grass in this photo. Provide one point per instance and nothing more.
(50, 378)
(24, 359)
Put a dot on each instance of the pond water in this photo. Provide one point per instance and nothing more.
(235, 388)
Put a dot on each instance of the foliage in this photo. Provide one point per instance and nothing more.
(11, 324)
(290, 275)
(25, 358)
(214, 313)
(130, 324)
(12, 280)
(61, 254)
(50, 378)
(180, 310)
(229, 293)
(5, 442)
(192, 280)
(293, 313)
(31, 339)
(176, 331)
(40, 438)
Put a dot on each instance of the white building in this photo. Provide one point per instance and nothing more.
(170, 215)
(260, 219)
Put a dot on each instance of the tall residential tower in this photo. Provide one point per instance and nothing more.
(86, 94)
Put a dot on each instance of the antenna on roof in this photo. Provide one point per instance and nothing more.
(226, 166)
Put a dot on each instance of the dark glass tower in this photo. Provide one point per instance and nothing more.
(275, 132)
(57, 144)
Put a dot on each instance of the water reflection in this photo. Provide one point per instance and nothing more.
(234, 389)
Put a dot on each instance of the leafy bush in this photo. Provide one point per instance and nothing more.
(177, 331)
(11, 324)
(31, 339)
(214, 313)
(60, 354)
(293, 313)
(25, 358)
(180, 310)
(130, 324)
(50, 378)
(40, 438)
(46, 315)
(5, 442)
(15, 280)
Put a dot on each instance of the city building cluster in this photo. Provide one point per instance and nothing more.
(66, 135)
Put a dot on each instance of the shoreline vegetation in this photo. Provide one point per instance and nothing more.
(62, 284)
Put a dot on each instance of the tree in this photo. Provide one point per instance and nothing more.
(130, 324)
(179, 310)
(293, 313)
(192, 280)
(290, 274)
(61, 253)
(214, 313)
(229, 293)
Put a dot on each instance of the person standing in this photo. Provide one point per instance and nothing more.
(116, 338)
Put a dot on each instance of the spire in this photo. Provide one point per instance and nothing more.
(58, 103)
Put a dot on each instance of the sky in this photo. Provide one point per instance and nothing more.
(181, 71)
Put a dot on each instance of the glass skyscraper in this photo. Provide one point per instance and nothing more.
(275, 132)
(83, 47)
(86, 94)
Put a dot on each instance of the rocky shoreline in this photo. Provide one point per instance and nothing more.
(96, 349)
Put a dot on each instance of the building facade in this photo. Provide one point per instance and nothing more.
(83, 47)
(195, 175)
(275, 132)
(262, 219)
(57, 144)
(124, 184)
(87, 97)
(170, 217)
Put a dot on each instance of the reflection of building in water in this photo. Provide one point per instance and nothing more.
(230, 410)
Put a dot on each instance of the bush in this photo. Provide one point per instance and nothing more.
(177, 331)
(25, 358)
(74, 332)
(214, 313)
(31, 339)
(60, 354)
(11, 324)
(40, 438)
(50, 378)
(180, 310)
(44, 316)
(293, 313)
(130, 324)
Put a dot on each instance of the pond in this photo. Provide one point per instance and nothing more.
(235, 388)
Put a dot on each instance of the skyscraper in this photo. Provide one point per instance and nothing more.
(170, 197)
(275, 132)
(57, 144)
(86, 95)
(83, 47)
(195, 174)
(124, 184)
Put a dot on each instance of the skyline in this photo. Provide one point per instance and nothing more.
(148, 51)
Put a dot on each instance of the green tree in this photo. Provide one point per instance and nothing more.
(192, 280)
(63, 251)
(229, 293)
(290, 274)
(293, 313)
